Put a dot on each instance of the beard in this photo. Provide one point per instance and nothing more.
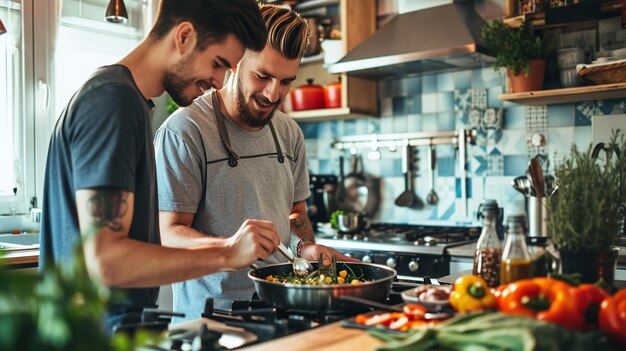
(175, 82)
(245, 115)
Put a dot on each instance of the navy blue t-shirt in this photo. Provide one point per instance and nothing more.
(103, 138)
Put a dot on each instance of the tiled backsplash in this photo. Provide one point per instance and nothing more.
(508, 136)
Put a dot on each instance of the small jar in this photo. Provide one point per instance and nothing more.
(488, 250)
(516, 262)
(543, 261)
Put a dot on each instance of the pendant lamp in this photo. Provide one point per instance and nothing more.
(116, 12)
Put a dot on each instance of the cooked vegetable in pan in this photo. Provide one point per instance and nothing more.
(320, 277)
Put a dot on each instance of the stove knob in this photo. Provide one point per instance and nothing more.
(347, 254)
(413, 266)
(391, 262)
(367, 259)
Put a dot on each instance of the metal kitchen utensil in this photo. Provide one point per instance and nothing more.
(408, 198)
(536, 174)
(350, 223)
(522, 184)
(301, 266)
(341, 188)
(432, 198)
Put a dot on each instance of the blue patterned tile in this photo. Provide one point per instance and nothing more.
(458, 187)
(584, 110)
(349, 127)
(492, 96)
(514, 117)
(430, 123)
(414, 104)
(399, 105)
(313, 166)
(386, 107)
(619, 107)
(477, 79)
(386, 124)
(414, 85)
(429, 103)
(478, 165)
(515, 165)
(326, 130)
(561, 115)
(463, 80)
(445, 82)
(391, 167)
(605, 107)
(494, 135)
(400, 124)
(446, 121)
(415, 123)
(309, 130)
(326, 166)
(492, 77)
(448, 213)
(399, 87)
(461, 100)
(445, 166)
(429, 84)
(495, 163)
(445, 101)
(582, 137)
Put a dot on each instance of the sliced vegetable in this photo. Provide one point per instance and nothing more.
(471, 294)
(612, 317)
(546, 299)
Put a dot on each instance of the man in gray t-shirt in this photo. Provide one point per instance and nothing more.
(232, 155)
(100, 183)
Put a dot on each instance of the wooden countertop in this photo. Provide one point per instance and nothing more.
(467, 250)
(325, 338)
(22, 258)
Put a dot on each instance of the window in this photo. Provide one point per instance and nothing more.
(49, 50)
(11, 107)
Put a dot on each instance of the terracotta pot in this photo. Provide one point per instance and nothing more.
(534, 81)
(307, 97)
(592, 266)
(332, 95)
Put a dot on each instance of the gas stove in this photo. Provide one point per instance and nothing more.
(414, 251)
(250, 322)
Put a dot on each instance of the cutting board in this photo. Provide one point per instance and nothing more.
(332, 337)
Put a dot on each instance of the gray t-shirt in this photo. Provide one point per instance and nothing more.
(259, 187)
(102, 139)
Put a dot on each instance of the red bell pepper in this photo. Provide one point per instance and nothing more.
(546, 299)
(612, 317)
(588, 298)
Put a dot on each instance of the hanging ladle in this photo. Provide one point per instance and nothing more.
(432, 198)
(408, 198)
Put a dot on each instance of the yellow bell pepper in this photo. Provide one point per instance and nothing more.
(471, 293)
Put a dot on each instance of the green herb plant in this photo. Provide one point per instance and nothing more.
(60, 308)
(514, 47)
(588, 211)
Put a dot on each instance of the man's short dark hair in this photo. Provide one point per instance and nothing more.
(213, 21)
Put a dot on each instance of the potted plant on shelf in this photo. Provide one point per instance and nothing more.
(519, 51)
(588, 212)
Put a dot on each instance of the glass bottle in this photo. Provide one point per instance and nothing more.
(488, 249)
(543, 261)
(516, 263)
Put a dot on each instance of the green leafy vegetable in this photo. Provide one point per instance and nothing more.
(493, 331)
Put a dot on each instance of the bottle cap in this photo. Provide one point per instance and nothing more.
(488, 206)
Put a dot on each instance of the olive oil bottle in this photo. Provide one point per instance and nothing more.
(516, 262)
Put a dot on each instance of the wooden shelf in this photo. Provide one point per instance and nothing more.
(567, 95)
(325, 114)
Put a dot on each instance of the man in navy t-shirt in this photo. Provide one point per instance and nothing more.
(100, 177)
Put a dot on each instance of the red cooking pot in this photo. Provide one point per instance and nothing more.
(332, 94)
(307, 97)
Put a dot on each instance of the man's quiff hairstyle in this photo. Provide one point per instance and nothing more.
(287, 31)
(213, 20)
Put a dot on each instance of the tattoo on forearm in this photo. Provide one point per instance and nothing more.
(298, 223)
(107, 207)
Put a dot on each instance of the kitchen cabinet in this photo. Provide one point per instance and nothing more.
(359, 96)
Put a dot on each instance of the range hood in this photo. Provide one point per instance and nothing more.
(436, 39)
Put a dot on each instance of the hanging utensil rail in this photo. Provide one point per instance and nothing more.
(458, 138)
